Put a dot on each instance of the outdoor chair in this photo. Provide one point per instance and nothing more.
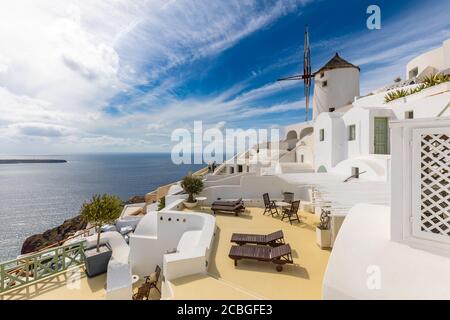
(150, 282)
(288, 197)
(291, 213)
(270, 206)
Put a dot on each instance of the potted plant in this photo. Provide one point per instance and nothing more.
(323, 232)
(192, 185)
(99, 211)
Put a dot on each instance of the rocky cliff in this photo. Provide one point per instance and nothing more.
(39, 241)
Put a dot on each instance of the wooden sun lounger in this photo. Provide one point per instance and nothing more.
(278, 255)
(228, 209)
(229, 203)
(273, 239)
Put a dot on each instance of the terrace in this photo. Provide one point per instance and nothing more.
(259, 280)
(249, 280)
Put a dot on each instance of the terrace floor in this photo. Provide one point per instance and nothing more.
(253, 279)
(249, 280)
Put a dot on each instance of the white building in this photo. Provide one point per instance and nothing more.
(401, 251)
(430, 62)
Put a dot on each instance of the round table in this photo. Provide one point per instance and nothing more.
(134, 278)
(200, 200)
(282, 204)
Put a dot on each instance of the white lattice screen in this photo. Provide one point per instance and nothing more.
(432, 218)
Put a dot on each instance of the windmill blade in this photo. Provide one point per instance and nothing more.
(307, 72)
(307, 75)
(296, 77)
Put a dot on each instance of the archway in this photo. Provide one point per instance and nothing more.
(305, 132)
(291, 135)
(322, 169)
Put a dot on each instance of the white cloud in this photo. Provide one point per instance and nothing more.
(40, 129)
(62, 61)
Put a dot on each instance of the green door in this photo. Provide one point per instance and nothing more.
(381, 139)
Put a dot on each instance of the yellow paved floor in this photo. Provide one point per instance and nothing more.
(303, 280)
(249, 280)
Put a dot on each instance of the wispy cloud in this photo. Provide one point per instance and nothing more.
(106, 75)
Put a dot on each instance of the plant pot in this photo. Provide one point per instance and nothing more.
(190, 205)
(323, 238)
(97, 262)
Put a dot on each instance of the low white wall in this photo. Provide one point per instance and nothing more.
(374, 168)
(118, 277)
(234, 179)
(160, 232)
(252, 188)
(366, 264)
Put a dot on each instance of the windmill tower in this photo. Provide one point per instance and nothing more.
(336, 84)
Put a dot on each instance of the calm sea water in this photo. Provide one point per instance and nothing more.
(36, 197)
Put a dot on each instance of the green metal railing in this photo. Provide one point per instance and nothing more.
(22, 271)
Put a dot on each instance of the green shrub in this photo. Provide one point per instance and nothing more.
(161, 203)
(425, 82)
(192, 185)
(393, 95)
(435, 79)
(101, 210)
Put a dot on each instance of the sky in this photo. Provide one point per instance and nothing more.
(121, 75)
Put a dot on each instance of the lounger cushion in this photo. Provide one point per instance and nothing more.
(228, 203)
(225, 208)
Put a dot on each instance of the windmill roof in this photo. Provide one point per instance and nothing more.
(337, 63)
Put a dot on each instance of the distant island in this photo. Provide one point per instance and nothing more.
(15, 161)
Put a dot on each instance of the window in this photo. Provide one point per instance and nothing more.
(302, 158)
(231, 170)
(322, 134)
(409, 114)
(352, 132)
(322, 74)
(324, 83)
(239, 168)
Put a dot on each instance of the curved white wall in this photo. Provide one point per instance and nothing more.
(366, 264)
(149, 248)
(438, 58)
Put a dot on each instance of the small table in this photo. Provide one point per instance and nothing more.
(134, 278)
(200, 200)
(282, 204)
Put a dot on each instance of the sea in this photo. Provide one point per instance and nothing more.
(38, 196)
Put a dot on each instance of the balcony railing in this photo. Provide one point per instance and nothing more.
(28, 269)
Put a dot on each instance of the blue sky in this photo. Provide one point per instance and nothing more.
(100, 76)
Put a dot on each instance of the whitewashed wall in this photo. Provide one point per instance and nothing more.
(342, 87)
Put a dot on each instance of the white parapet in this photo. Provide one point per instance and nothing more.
(179, 242)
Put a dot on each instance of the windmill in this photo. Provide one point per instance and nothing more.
(306, 76)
